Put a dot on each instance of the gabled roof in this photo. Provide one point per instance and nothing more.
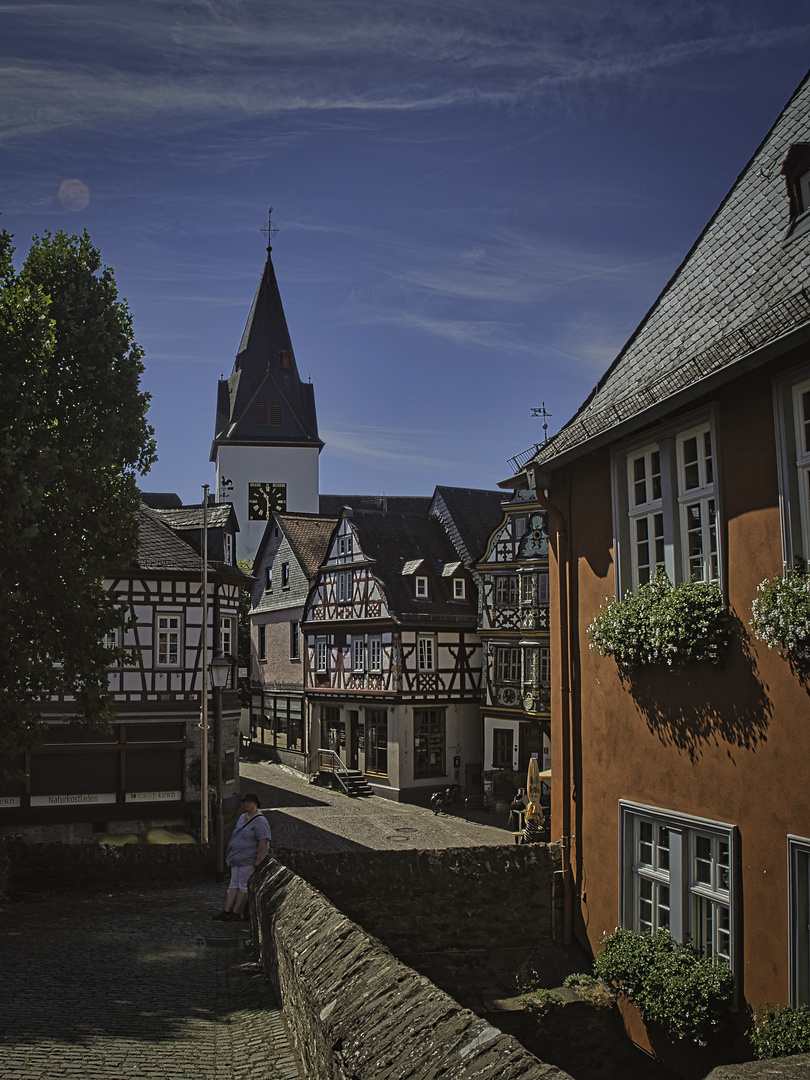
(159, 548)
(265, 371)
(308, 536)
(738, 293)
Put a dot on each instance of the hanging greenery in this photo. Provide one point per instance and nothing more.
(781, 616)
(663, 624)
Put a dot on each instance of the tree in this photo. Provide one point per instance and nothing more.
(73, 434)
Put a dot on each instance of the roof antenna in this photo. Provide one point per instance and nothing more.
(269, 230)
(542, 412)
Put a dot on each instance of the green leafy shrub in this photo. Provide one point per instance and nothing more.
(540, 1001)
(781, 617)
(663, 624)
(780, 1032)
(671, 984)
(591, 989)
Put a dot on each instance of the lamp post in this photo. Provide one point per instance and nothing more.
(219, 671)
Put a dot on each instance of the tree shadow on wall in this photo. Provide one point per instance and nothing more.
(700, 705)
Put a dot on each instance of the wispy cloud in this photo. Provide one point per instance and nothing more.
(113, 59)
(399, 449)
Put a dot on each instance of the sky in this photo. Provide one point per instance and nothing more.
(477, 200)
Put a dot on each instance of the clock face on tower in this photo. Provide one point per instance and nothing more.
(263, 499)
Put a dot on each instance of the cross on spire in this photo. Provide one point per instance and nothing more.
(269, 230)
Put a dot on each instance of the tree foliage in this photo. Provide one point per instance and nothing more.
(73, 435)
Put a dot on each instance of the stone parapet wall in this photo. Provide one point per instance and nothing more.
(355, 1011)
(417, 901)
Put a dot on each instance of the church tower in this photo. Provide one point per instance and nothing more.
(266, 442)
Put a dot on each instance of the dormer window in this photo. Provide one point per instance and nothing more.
(459, 589)
(420, 588)
(796, 171)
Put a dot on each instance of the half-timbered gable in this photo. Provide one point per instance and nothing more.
(514, 626)
(287, 560)
(146, 770)
(393, 659)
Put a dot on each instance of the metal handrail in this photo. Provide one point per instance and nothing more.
(336, 770)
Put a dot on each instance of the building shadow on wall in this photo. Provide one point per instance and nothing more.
(701, 705)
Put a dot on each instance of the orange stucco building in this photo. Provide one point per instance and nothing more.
(681, 793)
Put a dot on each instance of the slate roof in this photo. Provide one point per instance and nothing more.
(741, 286)
(161, 500)
(159, 548)
(259, 375)
(191, 517)
(392, 540)
(473, 514)
(403, 504)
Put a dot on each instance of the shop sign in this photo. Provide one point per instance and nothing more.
(154, 796)
(72, 800)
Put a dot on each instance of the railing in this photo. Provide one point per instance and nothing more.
(331, 761)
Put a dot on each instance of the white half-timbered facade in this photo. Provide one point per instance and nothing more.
(393, 659)
(144, 771)
(514, 627)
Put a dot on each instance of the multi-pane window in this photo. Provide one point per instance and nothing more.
(227, 544)
(428, 743)
(646, 514)
(420, 588)
(507, 664)
(344, 586)
(358, 654)
(544, 656)
(697, 503)
(502, 748)
(677, 875)
(426, 652)
(668, 493)
(344, 545)
(226, 642)
(375, 654)
(506, 589)
(801, 416)
(321, 654)
(459, 589)
(295, 639)
(168, 640)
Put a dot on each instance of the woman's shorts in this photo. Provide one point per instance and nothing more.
(239, 877)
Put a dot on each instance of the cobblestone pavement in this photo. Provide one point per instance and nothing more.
(134, 986)
(312, 818)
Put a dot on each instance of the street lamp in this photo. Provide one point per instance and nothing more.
(219, 670)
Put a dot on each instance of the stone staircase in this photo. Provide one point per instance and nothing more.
(357, 787)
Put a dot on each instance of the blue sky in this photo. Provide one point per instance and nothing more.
(477, 200)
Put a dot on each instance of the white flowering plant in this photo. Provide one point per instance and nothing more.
(663, 624)
(781, 616)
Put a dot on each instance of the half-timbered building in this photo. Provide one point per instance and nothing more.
(514, 629)
(144, 771)
(393, 659)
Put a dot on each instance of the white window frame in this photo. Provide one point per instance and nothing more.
(226, 635)
(801, 434)
(375, 653)
(507, 590)
(793, 463)
(667, 881)
(358, 652)
(459, 589)
(285, 575)
(544, 670)
(426, 652)
(654, 519)
(344, 586)
(227, 547)
(344, 545)
(321, 656)
(168, 630)
(420, 587)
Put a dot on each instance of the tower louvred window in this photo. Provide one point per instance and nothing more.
(275, 413)
(261, 412)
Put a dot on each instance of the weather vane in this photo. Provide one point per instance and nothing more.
(269, 230)
(542, 412)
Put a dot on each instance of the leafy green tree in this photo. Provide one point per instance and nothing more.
(73, 435)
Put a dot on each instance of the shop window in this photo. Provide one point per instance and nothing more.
(429, 748)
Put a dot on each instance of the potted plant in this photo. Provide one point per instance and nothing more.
(781, 617)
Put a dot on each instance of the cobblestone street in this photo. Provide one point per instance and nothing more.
(143, 984)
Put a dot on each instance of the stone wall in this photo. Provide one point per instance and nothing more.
(59, 867)
(355, 1011)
